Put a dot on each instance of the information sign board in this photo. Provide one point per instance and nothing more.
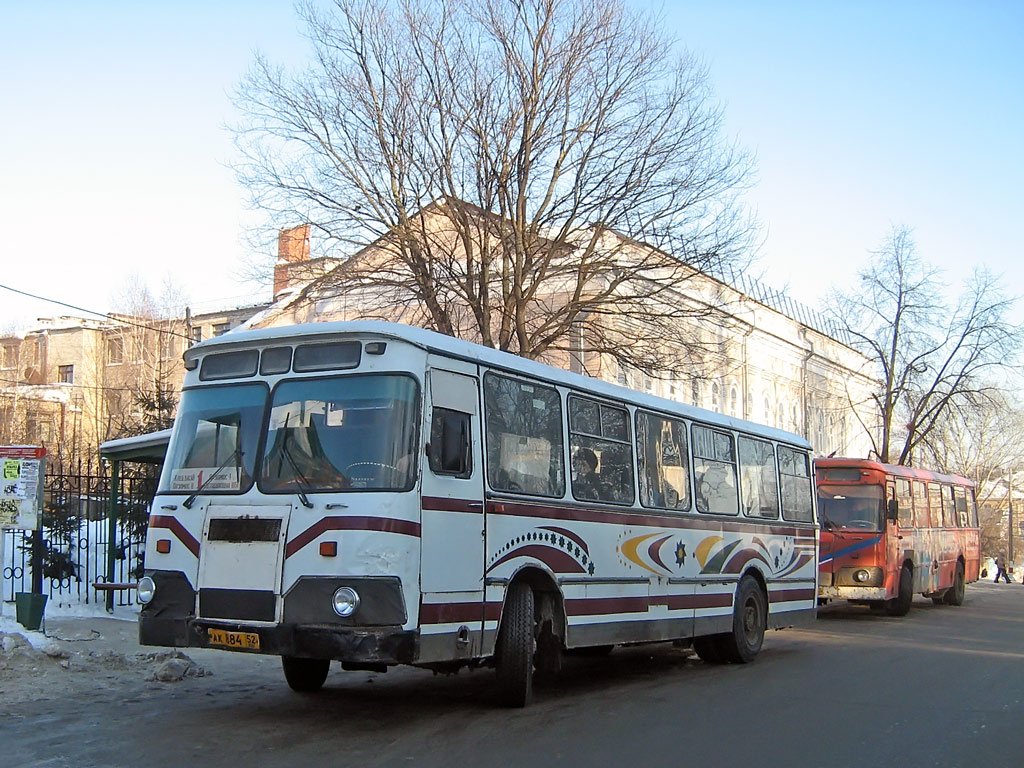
(21, 486)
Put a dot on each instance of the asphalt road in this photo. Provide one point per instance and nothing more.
(941, 687)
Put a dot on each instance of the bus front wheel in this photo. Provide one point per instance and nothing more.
(305, 675)
(516, 647)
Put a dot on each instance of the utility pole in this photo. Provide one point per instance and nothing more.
(1010, 521)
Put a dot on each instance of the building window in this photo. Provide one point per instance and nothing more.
(219, 329)
(197, 334)
(66, 374)
(115, 350)
(11, 356)
(715, 403)
(734, 401)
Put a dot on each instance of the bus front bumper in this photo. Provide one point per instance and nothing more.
(365, 645)
(852, 593)
(308, 628)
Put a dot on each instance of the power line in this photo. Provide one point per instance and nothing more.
(105, 315)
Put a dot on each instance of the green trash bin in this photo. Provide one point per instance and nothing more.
(29, 607)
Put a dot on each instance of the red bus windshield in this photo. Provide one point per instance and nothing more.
(851, 506)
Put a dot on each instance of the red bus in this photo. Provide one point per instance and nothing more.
(890, 532)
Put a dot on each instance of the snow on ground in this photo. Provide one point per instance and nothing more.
(78, 647)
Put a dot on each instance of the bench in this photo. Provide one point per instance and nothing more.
(112, 586)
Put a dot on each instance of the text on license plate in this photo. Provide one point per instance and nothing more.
(234, 639)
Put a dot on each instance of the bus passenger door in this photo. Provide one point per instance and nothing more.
(452, 522)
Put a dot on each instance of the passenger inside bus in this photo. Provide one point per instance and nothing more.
(585, 482)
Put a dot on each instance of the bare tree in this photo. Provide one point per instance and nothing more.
(514, 171)
(984, 442)
(140, 389)
(932, 360)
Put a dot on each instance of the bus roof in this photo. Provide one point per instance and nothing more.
(477, 353)
(897, 470)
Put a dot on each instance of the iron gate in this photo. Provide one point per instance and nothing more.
(78, 537)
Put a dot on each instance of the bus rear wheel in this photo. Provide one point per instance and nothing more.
(900, 605)
(955, 594)
(516, 647)
(305, 675)
(749, 622)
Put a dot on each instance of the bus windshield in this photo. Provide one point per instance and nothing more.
(215, 439)
(851, 506)
(339, 434)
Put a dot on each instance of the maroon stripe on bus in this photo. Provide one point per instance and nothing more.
(789, 595)
(634, 518)
(679, 602)
(440, 504)
(350, 523)
(555, 559)
(174, 525)
(462, 613)
(603, 606)
(568, 534)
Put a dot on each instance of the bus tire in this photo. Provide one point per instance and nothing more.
(516, 647)
(708, 648)
(900, 605)
(955, 594)
(749, 622)
(305, 675)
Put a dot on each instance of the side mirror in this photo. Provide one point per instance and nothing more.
(892, 510)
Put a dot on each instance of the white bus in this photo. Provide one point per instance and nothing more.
(378, 494)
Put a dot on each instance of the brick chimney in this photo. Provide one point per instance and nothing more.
(292, 249)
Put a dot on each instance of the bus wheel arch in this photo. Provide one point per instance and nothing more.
(531, 633)
(900, 605)
(750, 620)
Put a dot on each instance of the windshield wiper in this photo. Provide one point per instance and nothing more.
(300, 479)
(187, 504)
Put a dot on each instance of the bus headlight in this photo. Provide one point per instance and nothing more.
(345, 601)
(146, 590)
(861, 575)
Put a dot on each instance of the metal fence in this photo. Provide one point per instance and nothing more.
(80, 540)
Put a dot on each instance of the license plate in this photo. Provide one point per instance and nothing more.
(246, 640)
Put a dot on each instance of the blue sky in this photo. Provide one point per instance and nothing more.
(113, 154)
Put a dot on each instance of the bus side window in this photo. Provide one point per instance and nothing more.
(960, 497)
(449, 451)
(906, 502)
(921, 519)
(759, 483)
(601, 449)
(524, 436)
(662, 462)
(714, 471)
(795, 472)
(972, 506)
(935, 504)
(948, 509)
